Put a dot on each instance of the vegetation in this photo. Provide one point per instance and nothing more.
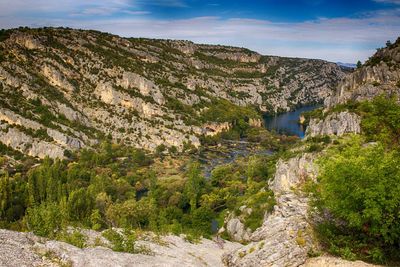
(117, 186)
(358, 193)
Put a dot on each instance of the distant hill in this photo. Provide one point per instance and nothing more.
(347, 65)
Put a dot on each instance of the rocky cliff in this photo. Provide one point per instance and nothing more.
(379, 75)
(63, 89)
(285, 237)
(335, 124)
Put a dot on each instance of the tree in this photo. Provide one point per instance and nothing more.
(194, 185)
(44, 219)
(80, 204)
(359, 187)
(388, 43)
(359, 64)
(5, 194)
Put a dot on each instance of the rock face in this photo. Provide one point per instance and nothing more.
(379, 75)
(332, 261)
(236, 230)
(284, 238)
(86, 84)
(335, 124)
(25, 249)
(211, 129)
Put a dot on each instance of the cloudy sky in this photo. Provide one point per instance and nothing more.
(336, 30)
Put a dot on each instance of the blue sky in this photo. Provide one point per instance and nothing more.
(334, 30)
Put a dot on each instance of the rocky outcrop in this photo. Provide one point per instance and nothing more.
(34, 146)
(26, 249)
(28, 145)
(256, 122)
(214, 128)
(56, 78)
(379, 75)
(237, 230)
(147, 88)
(285, 236)
(335, 124)
(332, 261)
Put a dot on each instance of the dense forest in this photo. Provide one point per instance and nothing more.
(118, 186)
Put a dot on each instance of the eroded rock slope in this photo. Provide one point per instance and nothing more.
(63, 89)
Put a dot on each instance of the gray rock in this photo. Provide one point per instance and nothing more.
(335, 124)
(25, 249)
(285, 236)
(236, 230)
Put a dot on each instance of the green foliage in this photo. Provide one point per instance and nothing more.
(381, 120)
(4, 34)
(224, 111)
(121, 242)
(116, 186)
(45, 219)
(312, 114)
(194, 184)
(359, 187)
(75, 238)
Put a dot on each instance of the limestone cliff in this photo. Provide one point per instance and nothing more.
(80, 85)
(335, 124)
(285, 236)
(379, 75)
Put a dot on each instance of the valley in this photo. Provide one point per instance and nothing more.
(131, 151)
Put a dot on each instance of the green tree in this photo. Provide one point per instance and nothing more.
(5, 195)
(194, 184)
(80, 204)
(359, 64)
(359, 187)
(44, 219)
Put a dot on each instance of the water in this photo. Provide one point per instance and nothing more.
(228, 153)
(287, 123)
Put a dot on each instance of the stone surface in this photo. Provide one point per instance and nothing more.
(236, 230)
(332, 261)
(372, 79)
(335, 124)
(25, 249)
(143, 92)
(285, 236)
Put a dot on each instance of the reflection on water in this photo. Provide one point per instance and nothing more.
(287, 123)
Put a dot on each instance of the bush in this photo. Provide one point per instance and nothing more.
(121, 242)
(381, 120)
(75, 238)
(44, 220)
(358, 186)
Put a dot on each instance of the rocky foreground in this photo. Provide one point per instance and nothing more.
(25, 249)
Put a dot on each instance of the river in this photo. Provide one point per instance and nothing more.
(228, 151)
(287, 123)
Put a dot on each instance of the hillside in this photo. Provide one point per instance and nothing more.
(287, 202)
(64, 89)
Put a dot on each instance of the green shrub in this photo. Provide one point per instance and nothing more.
(121, 242)
(358, 186)
(75, 238)
(44, 219)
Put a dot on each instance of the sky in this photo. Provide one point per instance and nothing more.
(334, 30)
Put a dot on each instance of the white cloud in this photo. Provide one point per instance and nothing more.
(339, 39)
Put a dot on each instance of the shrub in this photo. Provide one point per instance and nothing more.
(358, 186)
